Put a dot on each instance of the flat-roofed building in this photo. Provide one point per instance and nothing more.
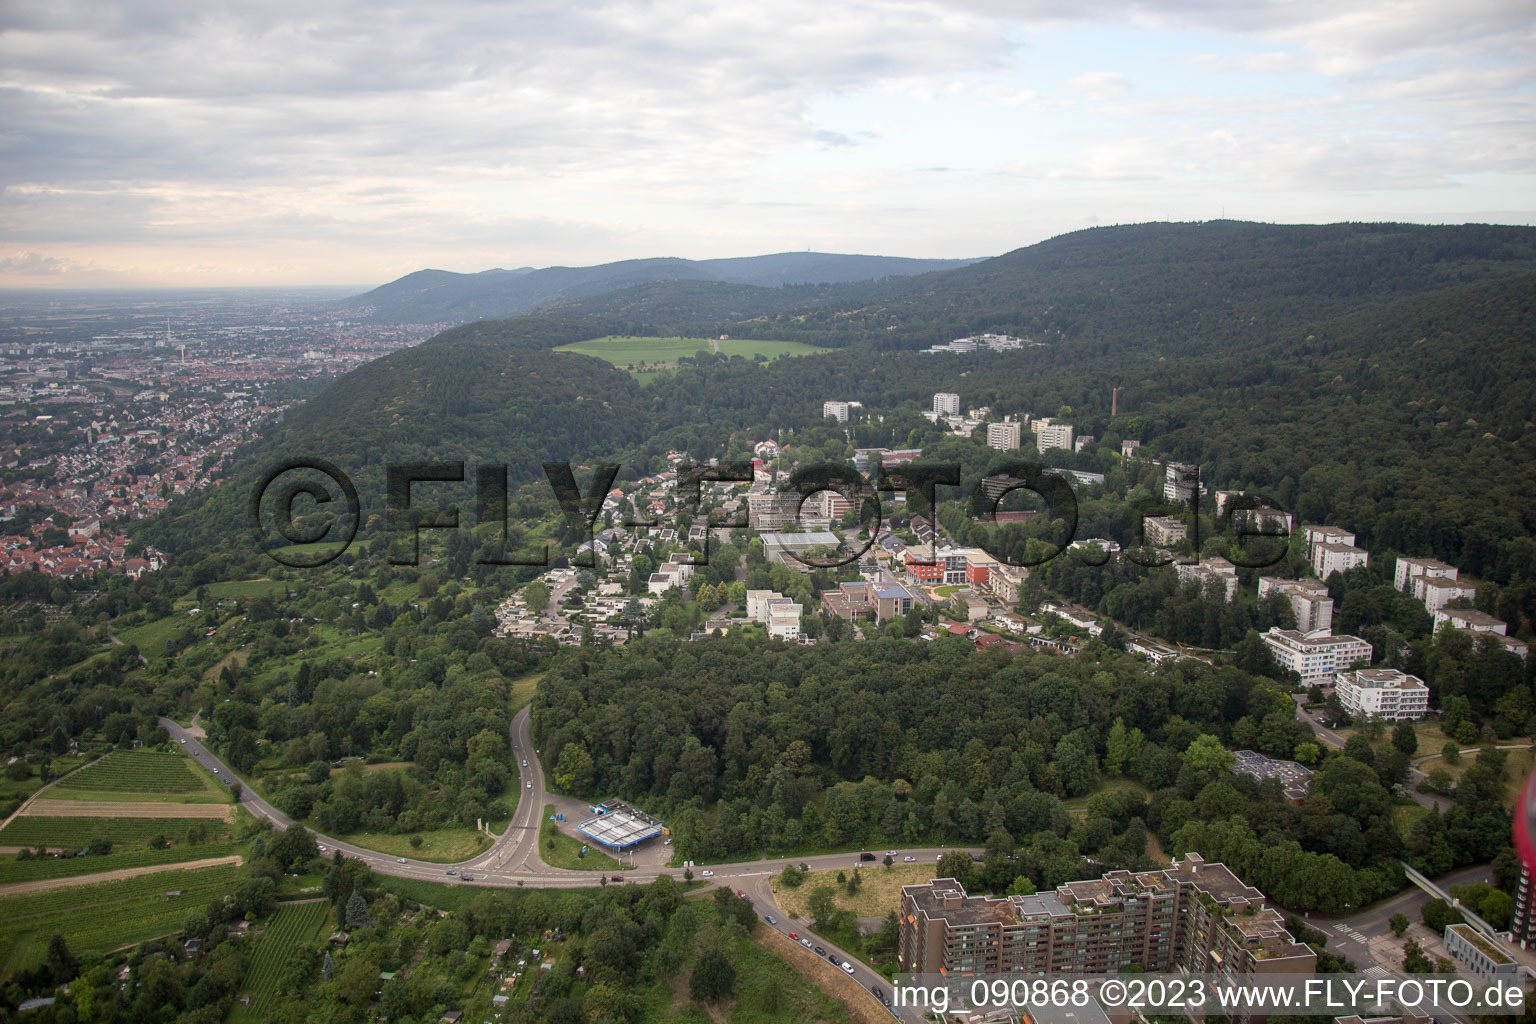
(1164, 531)
(1208, 572)
(1315, 657)
(1436, 593)
(1382, 693)
(1329, 558)
(1469, 619)
(946, 403)
(1005, 436)
(1407, 568)
(1050, 434)
(1487, 957)
(1310, 602)
(1193, 917)
(1316, 535)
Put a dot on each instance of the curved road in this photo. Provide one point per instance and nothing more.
(513, 858)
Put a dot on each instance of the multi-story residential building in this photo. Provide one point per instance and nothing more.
(1382, 693)
(1316, 535)
(1522, 925)
(1128, 449)
(1007, 582)
(839, 410)
(946, 403)
(1329, 558)
(1469, 619)
(1182, 482)
(1193, 917)
(1309, 599)
(1050, 434)
(783, 619)
(1263, 520)
(1436, 593)
(1408, 568)
(1209, 571)
(1082, 441)
(1313, 656)
(1005, 436)
(1164, 531)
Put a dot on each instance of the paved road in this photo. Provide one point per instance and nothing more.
(513, 858)
(1333, 739)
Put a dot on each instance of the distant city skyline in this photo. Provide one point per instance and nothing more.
(339, 143)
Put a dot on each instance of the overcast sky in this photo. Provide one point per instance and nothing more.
(144, 142)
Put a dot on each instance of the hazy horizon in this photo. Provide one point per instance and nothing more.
(341, 142)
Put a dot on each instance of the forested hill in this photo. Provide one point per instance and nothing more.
(1173, 289)
(1380, 377)
(432, 296)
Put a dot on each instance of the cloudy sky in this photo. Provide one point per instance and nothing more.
(146, 142)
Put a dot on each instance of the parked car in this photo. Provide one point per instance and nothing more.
(847, 967)
(832, 957)
(770, 919)
(820, 952)
(805, 942)
(795, 936)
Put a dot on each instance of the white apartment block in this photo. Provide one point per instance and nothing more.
(1208, 571)
(1382, 693)
(839, 410)
(1181, 483)
(1050, 434)
(1329, 558)
(1007, 582)
(1317, 535)
(1408, 568)
(1313, 656)
(1164, 531)
(946, 403)
(783, 620)
(1469, 619)
(1309, 599)
(1005, 436)
(1437, 593)
(1128, 449)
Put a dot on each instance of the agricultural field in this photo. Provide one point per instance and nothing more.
(136, 771)
(643, 357)
(293, 925)
(106, 916)
(33, 869)
(60, 833)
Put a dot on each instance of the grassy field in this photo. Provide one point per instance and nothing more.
(645, 356)
(100, 918)
(37, 868)
(561, 851)
(522, 689)
(443, 846)
(58, 833)
(879, 894)
(296, 924)
(1517, 765)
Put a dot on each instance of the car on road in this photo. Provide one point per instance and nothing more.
(530, 785)
(879, 994)
(618, 878)
(525, 762)
(450, 873)
(805, 942)
(709, 874)
(795, 936)
(847, 967)
(770, 919)
(399, 860)
(890, 853)
(741, 894)
(467, 878)
(832, 957)
(866, 856)
(820, 952)
(183, 742)
(320, 847)
(908, 859)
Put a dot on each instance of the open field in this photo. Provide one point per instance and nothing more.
(647, 355)
(522, 689)
(1517, 765)
(878, 895)
(105, 916)
(291, 926)
(443, 846)
(49, 808)
(58, 833)
(48, 884)
(13, 869)
(136, 771)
